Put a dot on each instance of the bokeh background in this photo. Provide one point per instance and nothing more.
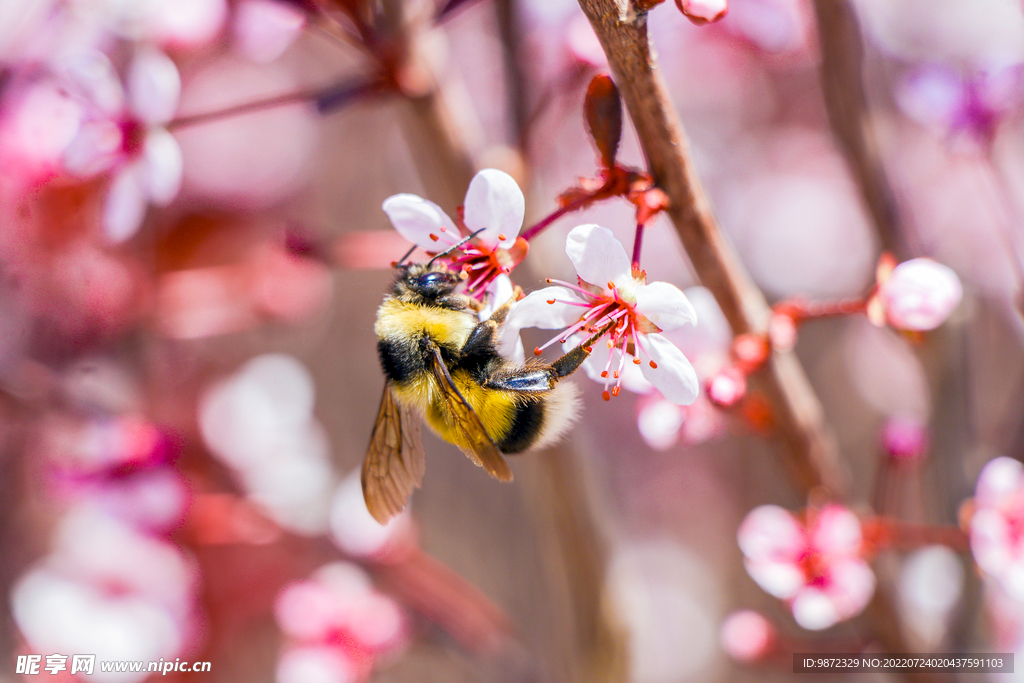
(188, 374)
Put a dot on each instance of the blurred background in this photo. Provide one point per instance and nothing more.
(192, 251)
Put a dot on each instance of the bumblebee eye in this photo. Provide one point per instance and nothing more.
(432, 280)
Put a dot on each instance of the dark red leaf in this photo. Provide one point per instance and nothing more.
(603, 110)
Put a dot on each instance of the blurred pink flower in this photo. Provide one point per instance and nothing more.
(336, 620)
(123, 133)
(609, 292)
(905, 438)
(920, 294)
(703, 11)
(997, 526)
(494, 204)
(747, 636)
(972, 103)
(817, 568)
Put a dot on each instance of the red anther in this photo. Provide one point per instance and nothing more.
(636, 361)
(562, 341)
(551, 301)
(615, 391)
(606, 396)
(434, 237)
(611, 285)
(536, 351)
(588, 350)
(654, 365)
(615, 374)
(548, 280)
(501, 237)
(444, 229)
(604, 373)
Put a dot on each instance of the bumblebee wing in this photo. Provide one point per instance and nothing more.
(482, 450)
(395, 461)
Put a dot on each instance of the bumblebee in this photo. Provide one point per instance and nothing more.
(442, 365)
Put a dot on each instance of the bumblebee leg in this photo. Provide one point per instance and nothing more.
(482, 339)
(570, 362)
(524, 381)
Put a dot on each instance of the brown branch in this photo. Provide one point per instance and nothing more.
(842, 59)
(809, 449)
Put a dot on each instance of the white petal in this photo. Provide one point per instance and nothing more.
(665, 305)
(836, 532)
(781, 579)
(154, 86)
(770, 532)
(495, 203)
(814, 610)
(125, 205)
(94, 149)
(416, 219)
(163, 166)
(597, 256)
(659, 422)
(535, 311)
(674, 377)
(851, 585)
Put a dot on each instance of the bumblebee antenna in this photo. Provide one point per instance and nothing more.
(400, 261)
(454, 246)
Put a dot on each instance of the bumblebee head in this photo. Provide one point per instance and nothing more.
(427, 280)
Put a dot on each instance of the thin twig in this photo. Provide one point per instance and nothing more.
(842, 58)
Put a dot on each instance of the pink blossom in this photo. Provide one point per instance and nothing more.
(495, 206)
(997, 527)
(337, 621)
(920, 294)
(816, 567)
(609, 293)
(703, 11)
(747, 636)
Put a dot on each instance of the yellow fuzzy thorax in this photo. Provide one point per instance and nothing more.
(406, 323)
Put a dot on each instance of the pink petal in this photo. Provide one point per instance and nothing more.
(674, 377)
(495, 203)
(154, 86)
(998, 481)
(95, 148)
(836, 531)
(814, 610)
(780, 579)
(320, 663)
(163, 166)
(771, 532)
(920, 294)
(186, 23)
(94, 78)
(659, 422)
(125, 205)
(265, 28)
(703, 11)
(991, 541)
(665, 305)
(851, 585)
(597, 256)
(420, 221)
(931, 95)
(746, 636)
(535, 311)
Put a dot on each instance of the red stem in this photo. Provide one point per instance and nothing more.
(637, 243)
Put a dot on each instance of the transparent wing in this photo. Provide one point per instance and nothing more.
(481, 449)
(395, 461)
